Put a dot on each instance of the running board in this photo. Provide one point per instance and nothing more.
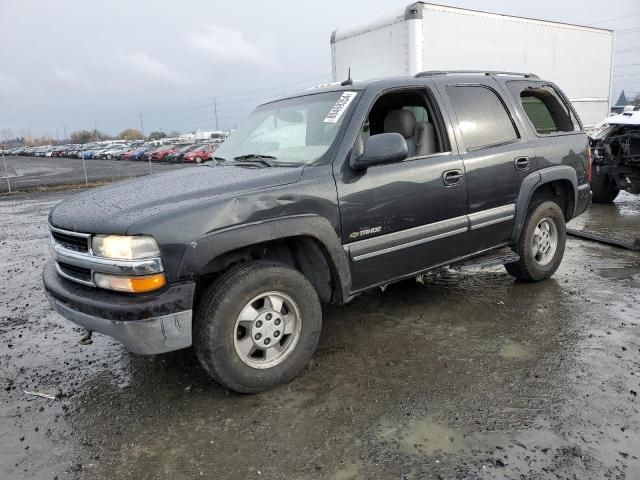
(628, 244)
(489, 259)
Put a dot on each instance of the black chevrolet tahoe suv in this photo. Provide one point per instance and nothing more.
(314, 199)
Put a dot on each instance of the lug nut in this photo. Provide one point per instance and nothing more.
(258, 336)
(268, 316)
(276, 334)
(267, 341)
(258, 323)
(277, 321)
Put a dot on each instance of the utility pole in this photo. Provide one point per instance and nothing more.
(57, 137)
(64, 128)
(215, 111)
(141, 125)
(142, 130)
(95, 129)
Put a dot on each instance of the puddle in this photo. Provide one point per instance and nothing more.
(515, 351)
(424, 436)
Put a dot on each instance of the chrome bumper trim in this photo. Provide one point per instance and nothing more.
(106, 265)
(146, 337)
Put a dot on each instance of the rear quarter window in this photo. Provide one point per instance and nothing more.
(547, 112)
(482, 116)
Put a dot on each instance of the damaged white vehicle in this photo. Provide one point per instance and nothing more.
(615, 150)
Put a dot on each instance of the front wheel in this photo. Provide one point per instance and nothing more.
(257, 326)
(541, 243)
(198, 160)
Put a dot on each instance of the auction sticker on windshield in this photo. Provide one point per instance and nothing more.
(340, 107)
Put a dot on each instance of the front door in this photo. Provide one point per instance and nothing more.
(403, 217)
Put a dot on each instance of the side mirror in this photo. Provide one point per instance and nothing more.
(381, 148)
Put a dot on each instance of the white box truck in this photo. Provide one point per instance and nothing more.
(426, 36)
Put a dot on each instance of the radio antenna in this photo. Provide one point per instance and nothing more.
(348, 81)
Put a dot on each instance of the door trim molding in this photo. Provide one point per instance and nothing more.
(485, 218)
(391, 242)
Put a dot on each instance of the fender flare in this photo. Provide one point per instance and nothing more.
(203, 251)
(534, 180)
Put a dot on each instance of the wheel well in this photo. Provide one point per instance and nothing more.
(558, 191)
(305, 254)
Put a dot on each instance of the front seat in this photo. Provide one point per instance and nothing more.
(425, 139)
(404, 123)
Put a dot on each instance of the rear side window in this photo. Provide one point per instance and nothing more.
(482, 117)
(546, 110)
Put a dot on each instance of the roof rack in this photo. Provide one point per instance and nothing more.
(432, 73)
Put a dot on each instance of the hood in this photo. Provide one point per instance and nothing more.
(113, 209)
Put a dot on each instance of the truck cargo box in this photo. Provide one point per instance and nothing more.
(425, 36)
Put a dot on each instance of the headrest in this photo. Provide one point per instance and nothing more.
(400, 121)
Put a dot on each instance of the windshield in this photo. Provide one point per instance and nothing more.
(297, 130)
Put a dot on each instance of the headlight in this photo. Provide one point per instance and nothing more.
(124, 248)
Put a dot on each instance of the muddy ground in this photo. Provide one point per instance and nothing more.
(471, 375)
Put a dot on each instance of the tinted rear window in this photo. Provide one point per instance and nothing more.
(482, 117)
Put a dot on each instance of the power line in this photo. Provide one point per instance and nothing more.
(628, 30)
(246, 92)
(627, 50)
(614, 19)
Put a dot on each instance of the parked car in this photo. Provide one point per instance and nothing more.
(615, 148)
(177, 155)
(200, 154)
(317, 198)
(138, 154)
(161, 153)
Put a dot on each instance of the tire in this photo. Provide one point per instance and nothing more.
(603, 188)
(109, 157)
(534, 264)
(232, 314)
(198, 160)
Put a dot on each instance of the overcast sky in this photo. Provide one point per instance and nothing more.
(73, 63)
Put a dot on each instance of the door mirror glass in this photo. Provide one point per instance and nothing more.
(381, 148)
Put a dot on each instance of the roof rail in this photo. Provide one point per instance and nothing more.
(432, 73)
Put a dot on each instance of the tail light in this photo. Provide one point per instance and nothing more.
(590, 166)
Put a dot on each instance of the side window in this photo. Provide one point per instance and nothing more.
(482, 117)
(546, 110)
(411, 114)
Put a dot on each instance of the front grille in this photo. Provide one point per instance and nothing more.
(70, 241)
(79, 273)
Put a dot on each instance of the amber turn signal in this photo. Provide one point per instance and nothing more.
(139, 284)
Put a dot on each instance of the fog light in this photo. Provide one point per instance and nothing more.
(139, 284)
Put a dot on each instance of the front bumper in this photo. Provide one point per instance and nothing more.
(145, 324)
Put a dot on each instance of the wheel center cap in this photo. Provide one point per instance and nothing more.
(267, 329)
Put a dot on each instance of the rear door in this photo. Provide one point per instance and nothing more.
(496, 156)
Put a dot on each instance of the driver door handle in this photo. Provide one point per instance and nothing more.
(452, 177)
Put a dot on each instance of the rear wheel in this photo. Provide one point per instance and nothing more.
(603, 188)
(541, 243)
(257, 326)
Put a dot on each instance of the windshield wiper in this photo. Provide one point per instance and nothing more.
(257, 158)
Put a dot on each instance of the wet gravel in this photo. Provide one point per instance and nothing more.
(471, 375)
(29, 173)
